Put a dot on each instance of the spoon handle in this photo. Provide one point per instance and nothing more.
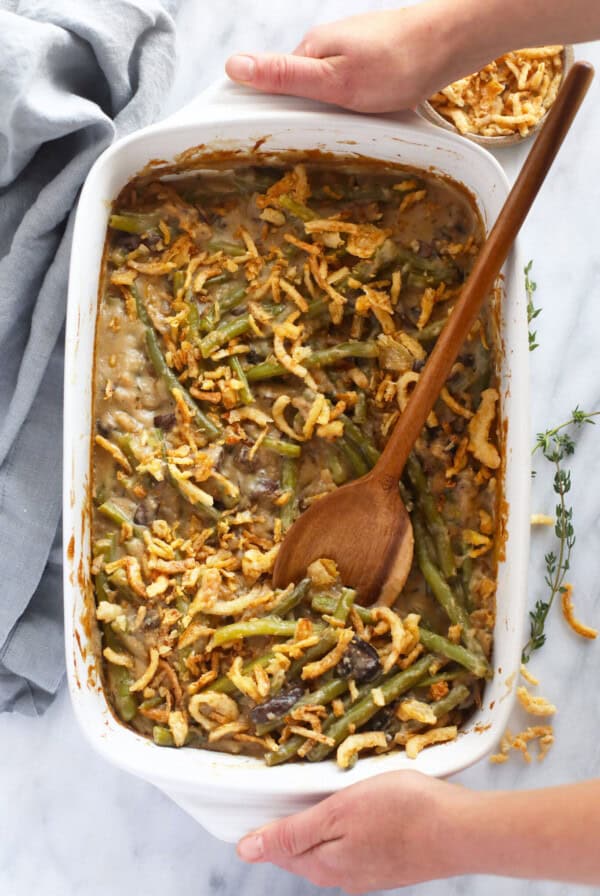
(487, 267)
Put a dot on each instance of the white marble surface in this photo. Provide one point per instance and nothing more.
(70, 825)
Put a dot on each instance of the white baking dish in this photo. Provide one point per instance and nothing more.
(229, 795)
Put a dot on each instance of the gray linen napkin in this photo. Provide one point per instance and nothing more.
(74, 74)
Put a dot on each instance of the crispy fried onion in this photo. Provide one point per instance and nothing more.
(249, 413)
(208, 593)
(190, 490)
(453, 404)
(131, 565)
(585, 631)
(247, 684)
(418, 742)
(544, 735)
(479, 431)
(318, 415)
(211, 709)
(228, 730)
(404, 634)
(323, 572)
(362, 241)
(144, 680)
(278, 411)
(331, 659)
(117, 659)
(404, 388)
(417, 711)
(292, 361)
(255, 563)
(179, 727)
(348, 750)
(534, 705)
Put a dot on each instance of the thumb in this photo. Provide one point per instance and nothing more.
(278, 73)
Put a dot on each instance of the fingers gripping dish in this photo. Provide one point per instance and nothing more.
(259, 332)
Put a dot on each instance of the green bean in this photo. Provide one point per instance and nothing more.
(344, 604)
(289, 483)
(163, 370)
(152, 702)
(321, 697)
(228, 248)
(452, 699)
(441, 590)
(230, 301)
(354, 457)
(337, 468)
(433, 518)
(430, 332)
(131, 222)
(434, 268)
(361, 440)
(435, 643)
(118, 580)
(101, 582)
(360, 410)
(449, 673)
(320, 358)
(193, 322)
(280, 446)
(466, 571)
(287, 603)
(178, 282)
(117, 516)
(162, 737)
(218, 278)
(119, 680)
(245, 392)
(263, 626)
(227, 330)
(285, 751)
(384, 256)
(207, 509)
(364, 709)
(298, 209)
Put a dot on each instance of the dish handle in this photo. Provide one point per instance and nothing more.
(230, 821)
(239, 101)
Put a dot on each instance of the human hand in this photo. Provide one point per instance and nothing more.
(396, 829)
(376, 62)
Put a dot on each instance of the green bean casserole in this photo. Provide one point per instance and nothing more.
(260, 330)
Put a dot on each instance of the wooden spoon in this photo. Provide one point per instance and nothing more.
(364, 525)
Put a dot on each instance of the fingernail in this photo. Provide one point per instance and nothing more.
(250, 849)
(241, 68)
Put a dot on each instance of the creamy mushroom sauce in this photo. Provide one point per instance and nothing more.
(259, 332)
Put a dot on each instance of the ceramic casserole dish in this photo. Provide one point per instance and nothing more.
(227, 794)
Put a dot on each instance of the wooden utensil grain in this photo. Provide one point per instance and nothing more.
(364, 525)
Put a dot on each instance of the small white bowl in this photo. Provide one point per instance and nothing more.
(430, 114)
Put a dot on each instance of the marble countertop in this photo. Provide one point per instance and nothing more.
(71, 824)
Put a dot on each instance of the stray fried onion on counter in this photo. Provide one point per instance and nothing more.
(543, 735)
(509, 96)
(259, 333)
(578, 627)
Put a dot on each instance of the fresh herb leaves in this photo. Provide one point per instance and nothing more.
(532, 311)
(556, 445)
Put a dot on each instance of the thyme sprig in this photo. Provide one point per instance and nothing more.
(556, 445)
(532, 311)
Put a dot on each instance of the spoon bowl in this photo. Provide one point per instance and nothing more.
(339, 525)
